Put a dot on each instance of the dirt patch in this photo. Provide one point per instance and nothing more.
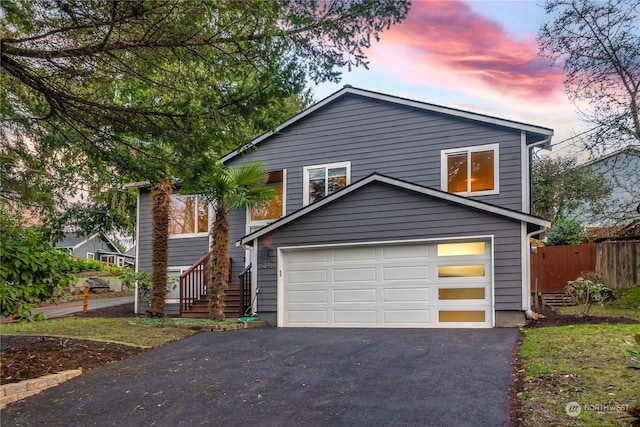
(124, 310)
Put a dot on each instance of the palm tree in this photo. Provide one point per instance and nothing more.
(161, 203)
(237, 187)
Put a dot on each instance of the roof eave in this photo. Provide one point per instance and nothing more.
(400, 184)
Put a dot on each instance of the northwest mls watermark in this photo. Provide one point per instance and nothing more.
(573, 409)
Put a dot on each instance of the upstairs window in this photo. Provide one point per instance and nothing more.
(188, 215)
(276, 207)
(470, 171)
(322, 180)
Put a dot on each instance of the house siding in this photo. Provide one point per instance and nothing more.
(372, 214)
(621, 171)
(93, 246)
(182, 251)
(398, 141)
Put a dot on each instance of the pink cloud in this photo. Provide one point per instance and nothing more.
(446, 43)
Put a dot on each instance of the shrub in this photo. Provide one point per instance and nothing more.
(88, 265)
(566, 231)
(32, 270)
(129, 277)
(584, 293)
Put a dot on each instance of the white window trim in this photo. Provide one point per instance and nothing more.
(91, 255)
(263, 222)
(106, 257)
(305, 199)
(468, 150)
(209, 220)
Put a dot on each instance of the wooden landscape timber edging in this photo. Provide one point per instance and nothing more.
(616, 263)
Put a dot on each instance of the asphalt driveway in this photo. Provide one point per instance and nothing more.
(288, 377)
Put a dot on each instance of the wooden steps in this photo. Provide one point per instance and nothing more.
(200, 309)
(556, 300)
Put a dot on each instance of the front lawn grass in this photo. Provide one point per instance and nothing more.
(124, 330)
(587, 364)
(625, 304)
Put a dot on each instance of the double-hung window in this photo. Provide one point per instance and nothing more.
(470, 170)
(322, 180)
(188, 215)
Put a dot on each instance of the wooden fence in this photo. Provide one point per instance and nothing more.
(616, 263)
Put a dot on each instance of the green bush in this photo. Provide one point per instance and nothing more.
(88, 265)
(129, 277)
(566, 231)
(584, 293)
(31, 270)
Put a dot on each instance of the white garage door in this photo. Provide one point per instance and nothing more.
(442, 284)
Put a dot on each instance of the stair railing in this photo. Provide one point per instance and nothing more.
(193, 283)
(245, 290)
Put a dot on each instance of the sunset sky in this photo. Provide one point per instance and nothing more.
(480, 56)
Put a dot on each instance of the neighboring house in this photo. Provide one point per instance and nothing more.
(390, 213)
(621, 170)
(96, 246)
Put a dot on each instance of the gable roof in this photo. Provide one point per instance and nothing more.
(72, 241)
(539, 133)
(427, 191)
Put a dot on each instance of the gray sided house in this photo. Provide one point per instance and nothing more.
(390, 213)
(621, 170)
(96, 246)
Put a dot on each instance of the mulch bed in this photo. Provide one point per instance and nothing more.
(551, 318)
(25, 357)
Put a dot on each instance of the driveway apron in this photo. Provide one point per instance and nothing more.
(285, 377)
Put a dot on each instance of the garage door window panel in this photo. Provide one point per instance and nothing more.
(461, 293)
(452, 271)
(461, 316)
(461, 249)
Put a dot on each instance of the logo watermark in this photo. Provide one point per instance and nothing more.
(573, 409)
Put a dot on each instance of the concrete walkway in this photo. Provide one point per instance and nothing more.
(68, 308)
(293, 377)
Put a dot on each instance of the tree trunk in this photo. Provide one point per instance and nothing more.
(160, 205)
(219, 264)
